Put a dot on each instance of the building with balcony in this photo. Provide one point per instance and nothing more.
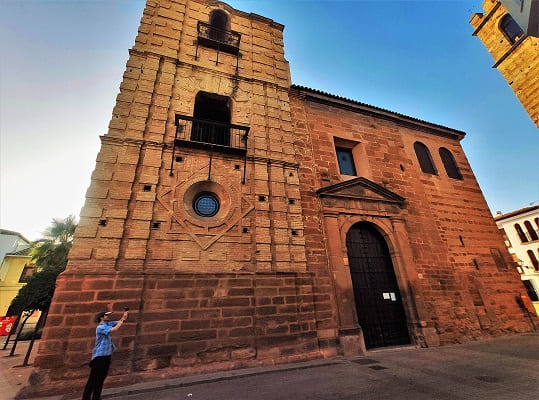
(521, 229)
(510, 31)
(247, 221)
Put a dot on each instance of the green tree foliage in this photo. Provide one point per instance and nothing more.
(51, 251)
(50, 255)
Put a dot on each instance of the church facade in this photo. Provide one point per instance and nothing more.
(248, 221)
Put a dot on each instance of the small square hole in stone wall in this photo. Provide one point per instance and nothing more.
(291, 174)
(147, 188)
(237, 166)
(291, 201)
(261, 198)
(377, 367)
(156, 225)
(245, 230)
(294, 233)
(179, 159)
(102, 222)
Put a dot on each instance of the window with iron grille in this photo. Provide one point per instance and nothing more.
(218, 24)
(346, 161)
(425, 160)
(212, 114)
(216, 33)
(510, 28)
(450, 165)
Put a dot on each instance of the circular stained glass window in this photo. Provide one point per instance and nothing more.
(206, 204)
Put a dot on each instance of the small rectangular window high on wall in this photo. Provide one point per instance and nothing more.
(346, 161)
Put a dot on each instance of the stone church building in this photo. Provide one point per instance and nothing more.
(248, 221)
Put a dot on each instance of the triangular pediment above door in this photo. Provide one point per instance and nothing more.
(360, 189)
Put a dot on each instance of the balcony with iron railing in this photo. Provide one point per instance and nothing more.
(220, 39)
(210, 135)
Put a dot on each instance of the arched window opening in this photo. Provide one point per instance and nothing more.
(533, 259)
(450, 165)
(212, 119)
(532, 233)
(532, 293)
(510, 28)
(537, 222)
(521, 233)
(425, 160)
(218, 25)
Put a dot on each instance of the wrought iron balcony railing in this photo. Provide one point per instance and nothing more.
(205, 134)
(220, 39)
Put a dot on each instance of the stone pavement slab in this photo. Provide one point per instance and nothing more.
(12, 375)
(497, 369)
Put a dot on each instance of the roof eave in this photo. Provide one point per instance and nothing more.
(356, 106)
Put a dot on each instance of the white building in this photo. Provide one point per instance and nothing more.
(521, 229)
(11, 242)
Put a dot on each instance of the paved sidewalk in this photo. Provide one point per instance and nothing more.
(12, 375)
(496, 369)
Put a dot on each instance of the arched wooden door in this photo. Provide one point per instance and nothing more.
(378, 301)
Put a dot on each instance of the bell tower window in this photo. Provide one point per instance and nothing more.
(214, 108)
(216, 34)
(510, 28)
(218, 25)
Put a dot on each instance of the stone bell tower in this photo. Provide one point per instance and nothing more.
(192, 218)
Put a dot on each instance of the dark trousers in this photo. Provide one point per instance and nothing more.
(99, 370)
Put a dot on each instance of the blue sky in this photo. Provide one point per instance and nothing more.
(62, 63)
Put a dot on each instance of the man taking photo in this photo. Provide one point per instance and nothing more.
(101, 356)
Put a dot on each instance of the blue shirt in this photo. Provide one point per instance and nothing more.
(103, 340)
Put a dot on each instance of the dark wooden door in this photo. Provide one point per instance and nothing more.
(378, 300)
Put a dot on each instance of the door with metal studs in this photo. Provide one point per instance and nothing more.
(378, 301)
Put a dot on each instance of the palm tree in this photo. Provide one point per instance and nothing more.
(51, 251)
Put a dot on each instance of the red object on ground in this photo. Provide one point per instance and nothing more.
(6, 324)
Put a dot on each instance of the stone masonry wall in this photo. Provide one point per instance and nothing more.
(447, 220)
(186, 323)
(251, 285)
(219, 293)
(161, 79)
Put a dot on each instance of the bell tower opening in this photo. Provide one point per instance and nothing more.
(214, 108)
